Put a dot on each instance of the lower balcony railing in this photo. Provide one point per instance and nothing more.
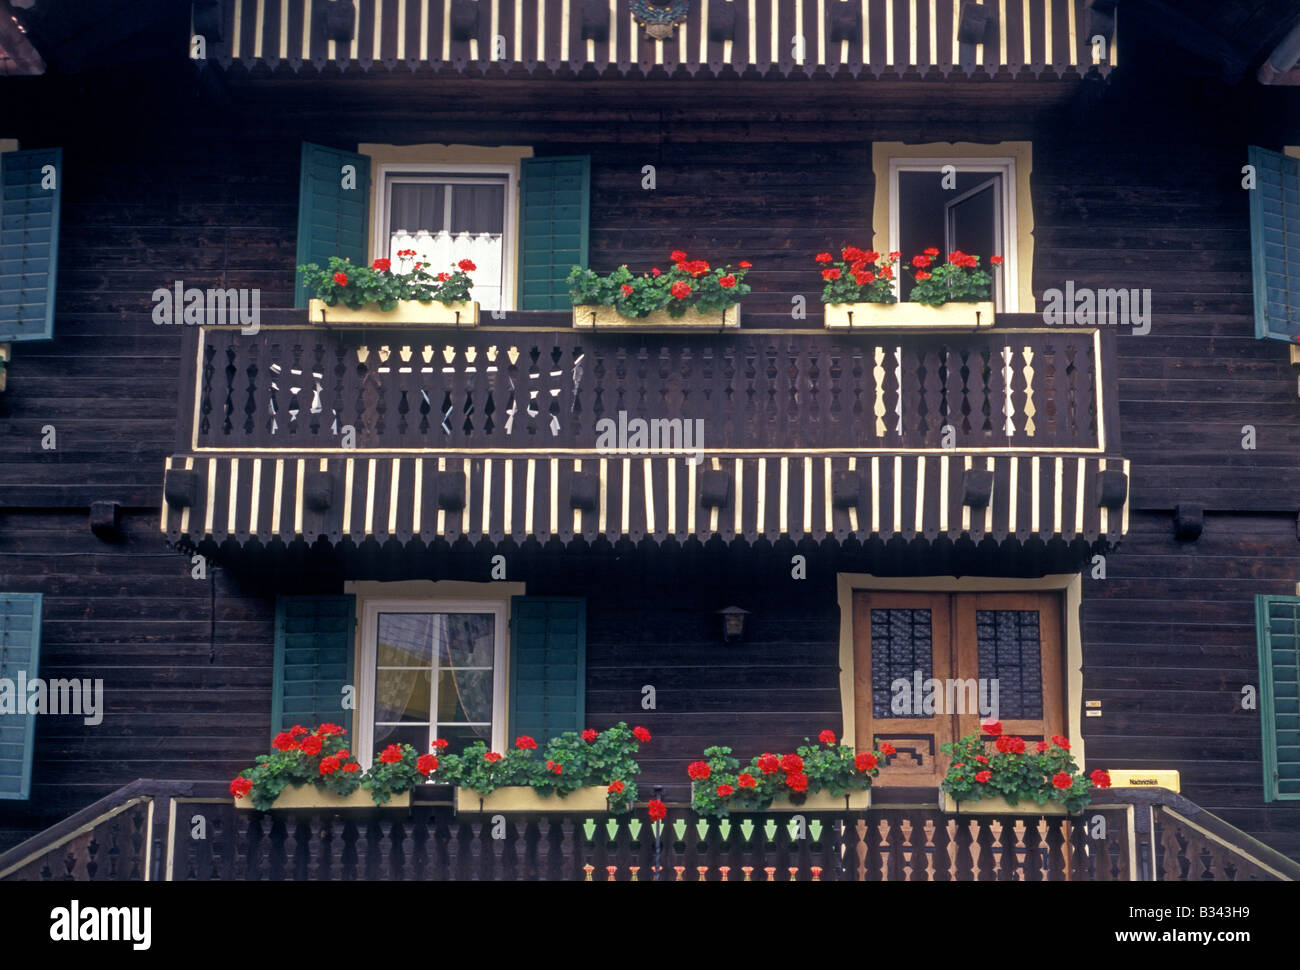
(1135, 834)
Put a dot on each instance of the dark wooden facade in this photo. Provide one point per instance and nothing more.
(1131, 187)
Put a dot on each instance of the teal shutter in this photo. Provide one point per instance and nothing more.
(20, 650)
(554, 202)
(548, 666)
(1277, 621)
(1275, 244)
(332, 220)
(313, 661)
(29, 242)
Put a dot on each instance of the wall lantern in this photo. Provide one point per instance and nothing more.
(733, 622)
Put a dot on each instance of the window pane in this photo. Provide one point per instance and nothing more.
(417, 206)
(402, 695)
(1010, 652)
(478, 208)
(922, 221)
(901, 644)
(405, 640)
(466, 639)
(416, 736)
(464, 695)
(461, 736)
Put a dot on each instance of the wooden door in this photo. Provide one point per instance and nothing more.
(955, 650)
(898, 636)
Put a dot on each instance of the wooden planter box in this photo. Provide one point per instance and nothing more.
(311, 797)
(904, 316)
(522, 798)
(608, 318)
(1025, 808)
(825, 802)
(407, 313)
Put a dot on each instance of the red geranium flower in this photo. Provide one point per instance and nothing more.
(827, 737)
(627, 290)
(329, 765)
(931, 251)
(491, 757)
(298, 731)
(615, 787)
(992, 728)
(825, 258)
(381, 264)
(851, 254)
(886, 273)
(887, 748)
(555, 766)
(1041, 746)
(1017, 746)
(995, 260)
(641, 734)
(310, 744)
(895, 256)
(697, 267)
(726, 282)
(831, 274)
(426, 763)
(698, 770)
(352, 767)
(865, 761)
(983, 776)
(391, 755)
(341, 279)
(466, 265)
(871, 255)
(922, 275)
(1061, 780)
(327, 729)
(343, 755)
(655, 271)
(792, 762)
(525, 743)
(797, 781)
(725, 791)
(241, 787)
(657, 810)
(1061, 742)
(959, 764)
(284, 742)
(440, 743)
(681, 290)
(865, 277)
(920, 262)
(745, 264)
(981, 759)
(677, 256)
(443, 277)
(1100, 778)
(746, 780)
(589, 735)
(769, 763)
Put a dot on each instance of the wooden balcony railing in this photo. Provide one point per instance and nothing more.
(118, 838)
(303, 389)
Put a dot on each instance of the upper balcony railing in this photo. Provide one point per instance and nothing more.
(603, 38)
(307, 389)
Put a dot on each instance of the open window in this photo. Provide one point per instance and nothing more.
(971, 198)
(447, 214)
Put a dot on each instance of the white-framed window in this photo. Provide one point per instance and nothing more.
(971, 207)
(450, 212)
(431, 668)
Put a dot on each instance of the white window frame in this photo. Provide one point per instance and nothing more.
(1003, 165)
(448, 171)
(365, 730)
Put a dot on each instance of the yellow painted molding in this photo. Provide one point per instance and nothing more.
(608, 318)
(309, 796)
(1021, 151)
(407, 313)
(1069, 584)
(908, 316)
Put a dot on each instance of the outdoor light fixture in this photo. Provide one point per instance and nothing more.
(733, 622)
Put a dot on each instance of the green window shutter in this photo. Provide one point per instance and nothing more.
(332, 220)
(20, 649)
(1277, 620)
(29, 242)
(554, 205)
(548, 666)
(1275, 244)
(313, 661)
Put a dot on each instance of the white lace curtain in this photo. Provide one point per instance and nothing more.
(445, 222)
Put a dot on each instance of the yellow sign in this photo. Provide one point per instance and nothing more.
(1134, 778)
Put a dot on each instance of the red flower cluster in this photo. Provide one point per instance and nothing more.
(865, 761)
(769, 763)
(681, 290)
(657, 810)
(405, 252)
(426, 764)
(797, 781)
(1100, 778)
(555, 767)
(589, 735)
(329, 765)
(745, 264)
(959, 258)
(241, 787)
(351, 767)
(726, 282)
(627, 289)
(791, 764)
(341, 279)
(1008, 744)
(492, 757)
(725, 791)
(983, 776)
(1061, 780)
(992, 728)
(641, 734)
(698, 770)
(746, 780)
(439, 743)
(1061, 742)
(525, 743)
(887, 748)
(382, 265)
(831, 274)
(827, 737)
(391, 755)
(466, 265)
(310, 744)
(996, 260)
(327, 729)
(615, 787)
(825, 258)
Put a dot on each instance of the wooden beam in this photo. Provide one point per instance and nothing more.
(15, 45)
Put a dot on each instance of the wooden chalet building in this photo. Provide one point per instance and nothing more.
(1100, 511)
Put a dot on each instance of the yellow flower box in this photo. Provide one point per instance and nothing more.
(854, 801)
(1025, 808)
(407, 313)
(903, 316)
(608, 318)
(311, 797)
(522, 798)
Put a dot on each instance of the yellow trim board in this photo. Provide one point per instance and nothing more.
(1021, 151)
(1071, 584)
